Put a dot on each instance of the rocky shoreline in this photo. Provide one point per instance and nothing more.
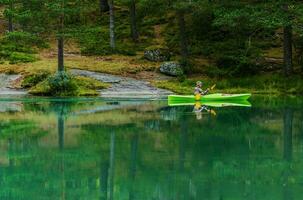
(121, 87)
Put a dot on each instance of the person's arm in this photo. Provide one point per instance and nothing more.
(205, 92)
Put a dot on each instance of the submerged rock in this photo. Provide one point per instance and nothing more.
(157, 54)
(171, 68)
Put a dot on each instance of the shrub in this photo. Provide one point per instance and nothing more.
(24, 39)
(17, 57)
(236, 65)
(187, 65)
(16, 47)
(62, 84)
(34, 79)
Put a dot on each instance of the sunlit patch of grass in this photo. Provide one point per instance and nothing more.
(90, 83)
(274, 53)
(49, 65)
(115, 64)
(174, 86)
(118, 65)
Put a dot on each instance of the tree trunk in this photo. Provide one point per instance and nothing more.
(10, 17)
(104, 7)
(287, 132)
(182, 35)
(61, 131)
(288, 68)
(60, 53)
(133, 20)
(183, 143)
(103, 179)
(132, 168)
(112, 166)
(287, 152)
(287, 33)
(61, 40)
(112, 25)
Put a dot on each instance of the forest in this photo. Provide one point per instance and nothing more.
(246, 45)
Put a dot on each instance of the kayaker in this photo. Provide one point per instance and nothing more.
(199, 91)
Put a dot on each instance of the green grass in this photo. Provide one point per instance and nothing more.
(263, 84)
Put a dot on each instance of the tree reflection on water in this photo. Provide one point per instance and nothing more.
(61, 151)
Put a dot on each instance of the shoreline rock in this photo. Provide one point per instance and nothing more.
(157, 55)
(171, 69)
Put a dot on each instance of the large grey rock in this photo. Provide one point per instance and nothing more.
(171, 68)
(157, 55)
(124, 87)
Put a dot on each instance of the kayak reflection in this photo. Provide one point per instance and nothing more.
(208, 107)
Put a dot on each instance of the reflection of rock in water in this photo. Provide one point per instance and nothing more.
(169, 114)
(152, 125)
(11, 107)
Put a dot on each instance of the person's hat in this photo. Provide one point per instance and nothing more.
(199, 83)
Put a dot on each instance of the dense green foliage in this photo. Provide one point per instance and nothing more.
(219, 39)
(20, 46)
(59, 84)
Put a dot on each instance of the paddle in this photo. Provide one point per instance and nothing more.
(213, 87)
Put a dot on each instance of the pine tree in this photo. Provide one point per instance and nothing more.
(104, 7)
(133, 21)
(112, 25)
(9, 13)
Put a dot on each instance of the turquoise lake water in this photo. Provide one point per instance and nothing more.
(147, 150)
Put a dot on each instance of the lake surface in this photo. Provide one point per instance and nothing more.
(146, 150)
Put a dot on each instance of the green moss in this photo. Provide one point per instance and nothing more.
(89, 86)
(41, 89)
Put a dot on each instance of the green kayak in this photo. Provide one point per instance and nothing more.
(208, 98)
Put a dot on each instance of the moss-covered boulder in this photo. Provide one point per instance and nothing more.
(157, 54)
(171, 69)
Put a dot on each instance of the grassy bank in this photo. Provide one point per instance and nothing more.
(269, 84)
(35, 74)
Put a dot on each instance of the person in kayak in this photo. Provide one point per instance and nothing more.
(199, 91)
